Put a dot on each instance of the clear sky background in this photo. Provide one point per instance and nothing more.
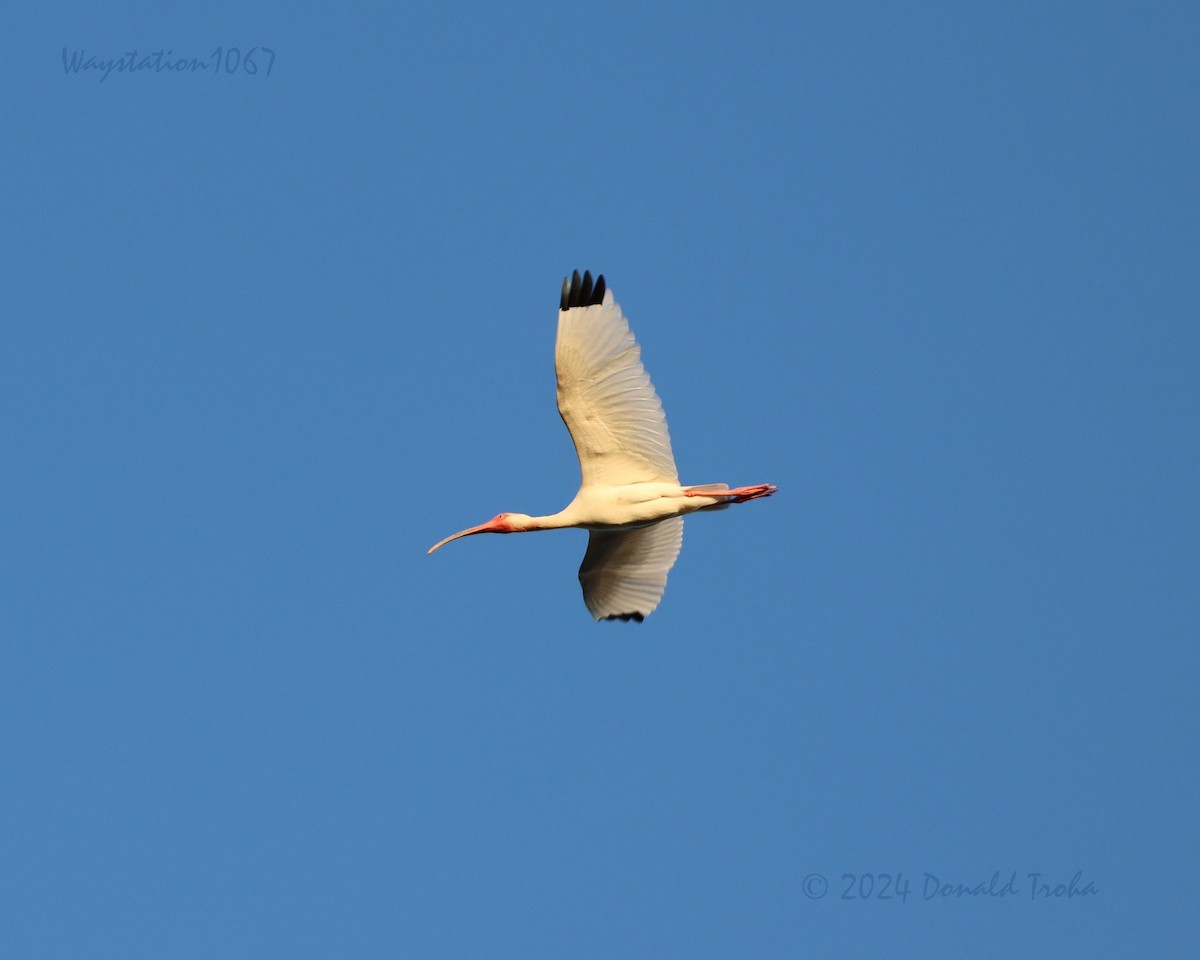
(931, 268)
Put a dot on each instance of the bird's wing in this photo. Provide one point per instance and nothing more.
(604, 394)
(624, 572)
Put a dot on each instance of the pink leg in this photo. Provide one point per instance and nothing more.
(736, 495)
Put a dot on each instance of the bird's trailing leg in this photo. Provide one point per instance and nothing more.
(736, 495)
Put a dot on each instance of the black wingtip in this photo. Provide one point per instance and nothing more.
(636, 617)
(580, 292)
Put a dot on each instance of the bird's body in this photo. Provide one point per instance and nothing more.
(630, 498)
(611, 506)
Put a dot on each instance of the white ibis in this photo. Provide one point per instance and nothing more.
(630, 501)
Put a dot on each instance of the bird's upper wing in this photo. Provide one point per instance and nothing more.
(604, 394)
(624, 572)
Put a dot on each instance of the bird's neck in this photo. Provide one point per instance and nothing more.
(555, 521)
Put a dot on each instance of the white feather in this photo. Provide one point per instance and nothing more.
(607, 401)
(624, 572)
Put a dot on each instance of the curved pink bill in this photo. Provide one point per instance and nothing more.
(492, 526)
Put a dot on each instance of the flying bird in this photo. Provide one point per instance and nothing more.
(630, 500)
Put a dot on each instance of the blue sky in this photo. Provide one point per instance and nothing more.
(930, 268)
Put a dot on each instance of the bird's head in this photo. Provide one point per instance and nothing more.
(500, 523)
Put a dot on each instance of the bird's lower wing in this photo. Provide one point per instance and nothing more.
(624, 572)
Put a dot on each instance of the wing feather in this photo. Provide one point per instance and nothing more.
(605, 396)
(624, 572)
